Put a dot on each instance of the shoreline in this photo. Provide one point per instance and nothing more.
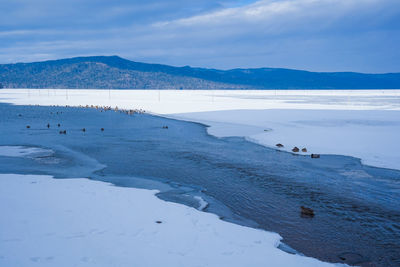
(210, 127)
(176, 233)
(205, 106)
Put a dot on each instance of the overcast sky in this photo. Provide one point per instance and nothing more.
(317, 35)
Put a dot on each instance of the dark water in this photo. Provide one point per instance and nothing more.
(357, 207)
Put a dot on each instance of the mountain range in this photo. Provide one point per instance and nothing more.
(102, 72)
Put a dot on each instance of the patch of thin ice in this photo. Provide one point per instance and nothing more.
(22, 151)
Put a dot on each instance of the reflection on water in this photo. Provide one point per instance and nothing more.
(357, 216)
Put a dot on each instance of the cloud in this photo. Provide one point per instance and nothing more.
(290, 16)
(325, 35)
(321, 35)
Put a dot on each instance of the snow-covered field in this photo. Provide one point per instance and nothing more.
(363, 124)
(78, 222)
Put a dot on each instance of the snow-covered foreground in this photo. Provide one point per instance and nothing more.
(363, 124)
(78, 222)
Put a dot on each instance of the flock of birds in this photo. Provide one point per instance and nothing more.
(116, 109)
(304, 211)
(296, 149)
(101, 109)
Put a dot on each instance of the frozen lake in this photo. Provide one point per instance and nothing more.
(357, 216)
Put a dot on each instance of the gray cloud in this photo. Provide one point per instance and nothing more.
(323, 35)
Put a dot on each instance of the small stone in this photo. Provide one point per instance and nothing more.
(158, 222)
(304, 150)
(307, 212)
(295, 149)
(315, 156)
(28, 126)
(279, 145)
(102, 129)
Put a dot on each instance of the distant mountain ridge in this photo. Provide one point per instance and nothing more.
(101, 72)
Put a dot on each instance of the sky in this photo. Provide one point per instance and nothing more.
(315, 35)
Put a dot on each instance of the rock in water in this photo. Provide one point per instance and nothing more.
(307, 212)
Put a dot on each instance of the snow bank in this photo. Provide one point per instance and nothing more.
(78, 222)
(202, 203)
(359, 123)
